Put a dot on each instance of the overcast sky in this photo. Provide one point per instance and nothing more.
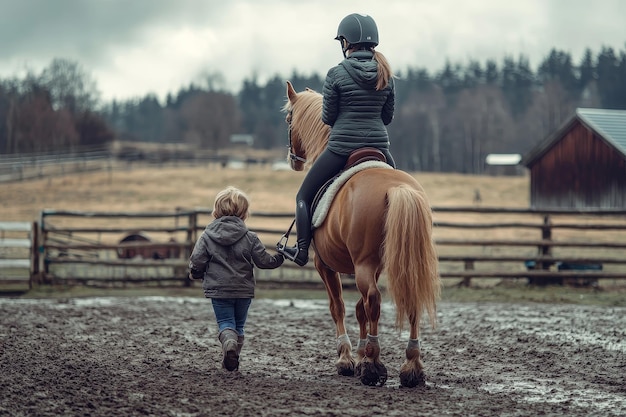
(135, 47)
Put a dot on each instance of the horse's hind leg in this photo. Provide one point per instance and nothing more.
(412, 370)
(345, 361)
(369, 368)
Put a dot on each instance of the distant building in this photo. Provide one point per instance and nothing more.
(582, 165)
(503, 164)
(242, 139)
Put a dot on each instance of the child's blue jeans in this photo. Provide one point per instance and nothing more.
(231, 313)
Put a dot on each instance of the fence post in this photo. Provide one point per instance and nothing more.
(41, 248)
(191, 232)
(191, 237)
(34, 253)
(545, 250)
(546, 234)
(468, 266)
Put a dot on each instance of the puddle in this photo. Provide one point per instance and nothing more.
(548, 391)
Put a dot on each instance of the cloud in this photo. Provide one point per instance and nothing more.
(141, 46)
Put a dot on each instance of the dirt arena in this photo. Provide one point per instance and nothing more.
(158, 356)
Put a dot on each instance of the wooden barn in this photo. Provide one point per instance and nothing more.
(582, 165)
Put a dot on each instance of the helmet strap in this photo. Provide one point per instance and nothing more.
(344, 46)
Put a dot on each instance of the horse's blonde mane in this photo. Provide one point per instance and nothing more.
(307, 123)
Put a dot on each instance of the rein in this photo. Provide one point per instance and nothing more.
(282, 243)
(292, 156)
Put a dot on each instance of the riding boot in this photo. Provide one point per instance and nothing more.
(300, 253)
(240, 339)
(230, 354)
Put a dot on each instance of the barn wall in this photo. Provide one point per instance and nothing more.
(580, 171)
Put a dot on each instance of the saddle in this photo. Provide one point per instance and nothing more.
(362, 155)
(358, 160)
(370, 157)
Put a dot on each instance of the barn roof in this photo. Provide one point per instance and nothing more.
(610, 125)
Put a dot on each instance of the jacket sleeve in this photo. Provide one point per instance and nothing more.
(200, 258)
(389, 106)
(261, 257)
(330, 102)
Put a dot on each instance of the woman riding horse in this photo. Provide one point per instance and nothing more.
(379, 221)
(358, 102)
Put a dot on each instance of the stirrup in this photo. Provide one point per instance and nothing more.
(293, 257)
(285, 251)
(282, 243)
(281, 247)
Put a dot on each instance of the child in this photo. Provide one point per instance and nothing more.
(224, 257)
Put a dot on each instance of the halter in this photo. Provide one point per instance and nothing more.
(292, 156)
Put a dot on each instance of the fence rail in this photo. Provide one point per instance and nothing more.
(543, 247)
(19, 167)
(17, 253)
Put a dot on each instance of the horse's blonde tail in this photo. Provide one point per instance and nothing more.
(409, 255)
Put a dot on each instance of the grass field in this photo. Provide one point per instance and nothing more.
(145, 188)
(164, 189)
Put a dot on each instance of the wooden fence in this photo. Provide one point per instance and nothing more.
(473, 242)
(17, 252)
(20, 167)
(542, 246)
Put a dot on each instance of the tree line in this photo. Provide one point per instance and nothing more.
(56, 109)
(446, 121)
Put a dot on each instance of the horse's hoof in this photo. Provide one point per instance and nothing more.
(372, 373)
(412, 379)
(345, 368)
(345, 371)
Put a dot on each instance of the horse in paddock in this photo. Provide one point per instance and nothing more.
(379, 221)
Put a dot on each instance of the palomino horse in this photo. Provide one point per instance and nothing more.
(380, 220)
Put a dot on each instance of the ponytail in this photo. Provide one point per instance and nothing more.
(385, 74)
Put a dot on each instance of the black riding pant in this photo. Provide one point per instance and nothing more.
(327, 165)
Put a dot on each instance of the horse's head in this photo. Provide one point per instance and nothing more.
(296, 154)
(308, 135)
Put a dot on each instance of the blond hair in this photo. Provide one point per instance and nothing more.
(385, 73)
(231, 201)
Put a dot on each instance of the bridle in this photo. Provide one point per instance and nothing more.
(292, 156)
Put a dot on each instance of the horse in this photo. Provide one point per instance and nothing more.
(379, 221)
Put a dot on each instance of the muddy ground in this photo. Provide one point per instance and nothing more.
(159, 356)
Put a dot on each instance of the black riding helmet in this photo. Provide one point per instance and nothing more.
(357, 29)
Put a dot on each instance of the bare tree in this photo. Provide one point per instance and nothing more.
(209, 119)
(485, 123)
(416, 131)
(551, 106)
(8, 104)
(70, 86)
(40, 128)
(213, 80)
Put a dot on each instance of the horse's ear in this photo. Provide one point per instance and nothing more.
(291, 93)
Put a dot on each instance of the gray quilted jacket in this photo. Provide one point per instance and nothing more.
(225, 255)
(353, 108)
